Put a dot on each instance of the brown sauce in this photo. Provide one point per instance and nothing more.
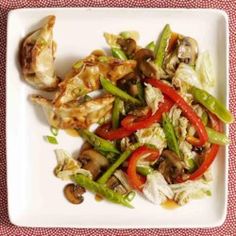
(170, 204)
(72, 132)
(98, 198)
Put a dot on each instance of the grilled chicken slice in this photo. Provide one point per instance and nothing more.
(74, 115)
(37, 57)
(84, 76)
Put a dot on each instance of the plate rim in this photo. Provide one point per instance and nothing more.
(223, 13)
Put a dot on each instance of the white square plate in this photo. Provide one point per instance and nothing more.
(35, 196)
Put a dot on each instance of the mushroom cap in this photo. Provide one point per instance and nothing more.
(188, 50)
(127, 45)
(93, 161)
(73, 193)
(145, 67)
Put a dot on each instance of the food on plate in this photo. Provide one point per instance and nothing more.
(37, 54)
(158, 128)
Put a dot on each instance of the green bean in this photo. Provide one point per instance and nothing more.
(118, 53)
(103, 179)
(212, 104)
(162, 45)
(99, 143)
(117, 108)
(101, 189)
(144, 170)
(151, 46)
(217, 137)
(140, 91)
(169, 131)
(130, 196)
(191, 165)
(111, 88)
(204, 118)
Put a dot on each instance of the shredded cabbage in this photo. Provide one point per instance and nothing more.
(179, 122)
(156, 189)
(130, 34)
(190, 190)
(125, 143)
(205, 70)
(184, 77)
(188, 155)
(153, 97)
(67, 166)
(152, 135)
(111, 40)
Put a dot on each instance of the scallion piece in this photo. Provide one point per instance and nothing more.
(54, 130)
(51, 139)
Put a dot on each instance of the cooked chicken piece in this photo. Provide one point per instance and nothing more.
(75, 115)
(84, 76)
(37, 57)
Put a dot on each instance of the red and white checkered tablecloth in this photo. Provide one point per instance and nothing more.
(228, 228)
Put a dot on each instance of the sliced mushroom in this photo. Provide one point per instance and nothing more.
(144, 57)
(73, 193)
(129, 83)
(171, 63)
(85, 146)
(188, 50)
(128, 46)
(93, 161)
(170, 166)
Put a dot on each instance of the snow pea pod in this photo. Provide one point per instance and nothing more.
(111, 88)
(103, 179)
(117, 108)
(169, 131)
(144, 170)
(151, 46)
(98, 143)
(217, 137)
(162, 45)
(101, 189)
(212, 104)
(118, 53)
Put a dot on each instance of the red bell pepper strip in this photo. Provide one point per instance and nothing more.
(133, 123)
(187, 110)
(136, 180)
(208, 159)
(209, 155)
(106, 132)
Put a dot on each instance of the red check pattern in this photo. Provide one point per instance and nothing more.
(228, 228)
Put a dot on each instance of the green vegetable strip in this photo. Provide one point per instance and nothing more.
(130, 34)
(140, 92)
(51, 139)
(161, 45)
(101, 189)
(212, 104)
(99, 143)
(111, 88)
(130, 196)
(118, 53)
(54, 131)
(116, 113)
(151, 46)
(217, 137)
(144, 170)
(204, 118)
(169, 131)
(103, 179)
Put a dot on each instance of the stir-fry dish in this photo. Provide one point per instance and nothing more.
(158, 128)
